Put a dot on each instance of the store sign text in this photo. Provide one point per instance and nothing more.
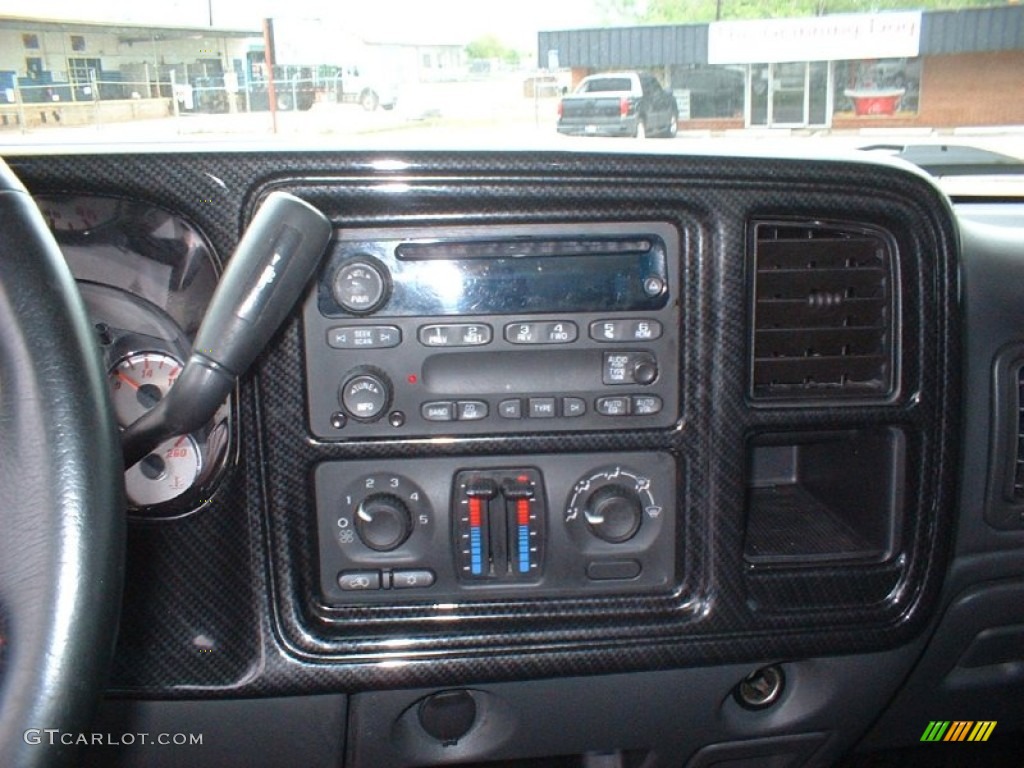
(821, 38)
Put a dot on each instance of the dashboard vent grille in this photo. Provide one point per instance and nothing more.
(823, 313)
(1018, 465)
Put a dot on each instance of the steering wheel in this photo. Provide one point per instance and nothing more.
(61, 498)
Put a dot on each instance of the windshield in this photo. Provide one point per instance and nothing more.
(806, 77)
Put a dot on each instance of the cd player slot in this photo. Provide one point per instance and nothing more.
(521, 248)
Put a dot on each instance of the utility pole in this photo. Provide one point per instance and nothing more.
(268, 60)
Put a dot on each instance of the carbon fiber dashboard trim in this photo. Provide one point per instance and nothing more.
(247, 564)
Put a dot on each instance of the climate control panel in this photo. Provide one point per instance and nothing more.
(565, 525)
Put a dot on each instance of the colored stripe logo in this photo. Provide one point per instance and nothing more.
(958, 730)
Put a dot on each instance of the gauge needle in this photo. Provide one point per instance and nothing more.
(123, 377)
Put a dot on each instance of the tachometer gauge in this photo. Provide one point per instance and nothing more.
(140, 381)
(166, 473)
(79, 215)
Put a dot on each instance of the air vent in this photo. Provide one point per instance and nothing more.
(1005, 507)
(823, 313)
(1018, 465)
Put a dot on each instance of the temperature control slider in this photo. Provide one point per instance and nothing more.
(479, 491)
(499, 524)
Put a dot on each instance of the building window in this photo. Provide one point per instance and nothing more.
(82, 71)
(877, 87)
(713, 91)
(30, 41)
(77, 42)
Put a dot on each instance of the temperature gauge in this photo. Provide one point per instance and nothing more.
(137, 383)
(166, 473)
(140, 381)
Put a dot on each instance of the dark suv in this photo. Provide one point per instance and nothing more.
(619, 104)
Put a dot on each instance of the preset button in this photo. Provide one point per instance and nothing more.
(544, 332)
(455, 335)
(625, 330)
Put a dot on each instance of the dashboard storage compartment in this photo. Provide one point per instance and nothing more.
(824, 497)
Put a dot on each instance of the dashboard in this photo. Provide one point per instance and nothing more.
(588, 459)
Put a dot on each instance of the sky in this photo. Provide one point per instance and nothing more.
(515, 22)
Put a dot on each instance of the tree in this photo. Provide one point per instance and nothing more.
(621, 11)
(489, 47)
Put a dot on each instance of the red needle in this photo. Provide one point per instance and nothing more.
(128, 381)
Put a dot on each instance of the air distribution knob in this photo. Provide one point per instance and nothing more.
(383, 522)
(613, 513)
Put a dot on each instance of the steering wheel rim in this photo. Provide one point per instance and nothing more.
(62, 525)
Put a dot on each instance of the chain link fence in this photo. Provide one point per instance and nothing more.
(26, 104)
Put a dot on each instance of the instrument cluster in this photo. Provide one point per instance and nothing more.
(146, 275)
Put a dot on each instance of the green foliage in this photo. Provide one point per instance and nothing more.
(489, 47)
(621, 11)
(682, 11)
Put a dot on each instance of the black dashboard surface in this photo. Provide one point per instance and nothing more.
(816, 522)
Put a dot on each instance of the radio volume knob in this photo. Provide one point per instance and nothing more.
(613, 513)
(360, 286)
(383, 522)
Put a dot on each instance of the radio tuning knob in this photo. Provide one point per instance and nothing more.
(365, 394)
(613, 513)
(383, 522)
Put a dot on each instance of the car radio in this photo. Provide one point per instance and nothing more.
(485, 330)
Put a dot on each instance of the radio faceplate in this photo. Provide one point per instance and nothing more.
(483, 330)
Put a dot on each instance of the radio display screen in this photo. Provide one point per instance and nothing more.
(523, 277)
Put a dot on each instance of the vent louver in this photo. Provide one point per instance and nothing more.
(1018, 465)
(823, 313)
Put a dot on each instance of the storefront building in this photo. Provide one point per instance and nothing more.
(77, 72)
(899, 69)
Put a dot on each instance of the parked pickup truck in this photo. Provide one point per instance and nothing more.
(619, 104)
